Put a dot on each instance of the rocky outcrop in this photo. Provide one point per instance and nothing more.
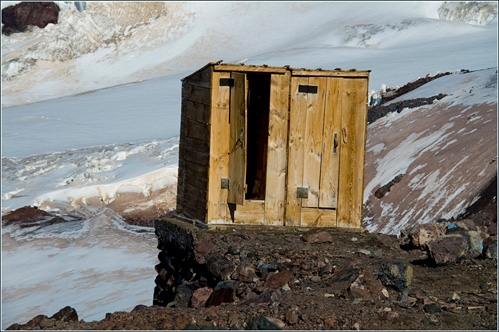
(448, 242)
(60, 320)
(19, 17)
(29, 216)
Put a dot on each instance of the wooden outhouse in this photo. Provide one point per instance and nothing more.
(262, 145)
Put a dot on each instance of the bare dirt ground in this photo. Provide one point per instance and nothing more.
(302, 279)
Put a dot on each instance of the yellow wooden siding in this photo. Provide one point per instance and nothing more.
(237, 145)
(297, 121)
(313, 217)
(251, 213)
(330, 154)
(275, 195)
(219, 149)
(314, 120)
(352, 153)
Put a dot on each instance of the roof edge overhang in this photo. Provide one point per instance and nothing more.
(241, 67)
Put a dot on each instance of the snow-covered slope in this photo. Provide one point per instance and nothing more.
(445, 153)
(112, 43)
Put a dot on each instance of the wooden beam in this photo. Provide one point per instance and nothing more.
(331, 148)
(313, 128)
(219, 148)
(297, 116)
(277, 156)
(352, 153)
(238, 134)
(330, 73)
(250, 68)
(312, 217)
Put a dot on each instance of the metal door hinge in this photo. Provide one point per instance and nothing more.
(225, 183)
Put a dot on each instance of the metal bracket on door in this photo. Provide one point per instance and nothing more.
(225, 183)
(301, 192)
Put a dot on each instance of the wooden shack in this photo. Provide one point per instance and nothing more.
(262, 145)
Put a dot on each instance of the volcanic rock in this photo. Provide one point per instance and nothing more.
(17, 18)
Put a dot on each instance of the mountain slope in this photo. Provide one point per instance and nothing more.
(112, 43)
(436, 158)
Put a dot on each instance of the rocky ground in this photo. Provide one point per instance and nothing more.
(300, 279)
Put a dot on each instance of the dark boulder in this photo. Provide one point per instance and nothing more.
(396, 275)
(17, 18)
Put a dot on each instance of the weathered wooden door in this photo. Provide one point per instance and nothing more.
(237, 140)
(315, 122)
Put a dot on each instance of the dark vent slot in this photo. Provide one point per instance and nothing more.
(226, 82)
(307, 88)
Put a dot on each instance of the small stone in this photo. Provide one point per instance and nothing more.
(233, 250)
(262, 323)
(490, 247)
(291, 317)
(366, 287)
(432, 307)
(314, 236)
(419, 235)
(245, 273)
(224, 292)
(447, 249)
(277, 322)
(200, 297)
(315, 279)
(329, 322)
(286, 288)
(392, 315)
(183, 296)
(220, 267)
(365, 252)
(279, 279)
(354, 239)
(396, 275)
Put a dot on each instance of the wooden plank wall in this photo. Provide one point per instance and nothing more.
(330, 154)
(313, 141)
(277, 154)
(297, 116)
(219, 150)
(352, 153)
(238, 134)
(194, 147)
